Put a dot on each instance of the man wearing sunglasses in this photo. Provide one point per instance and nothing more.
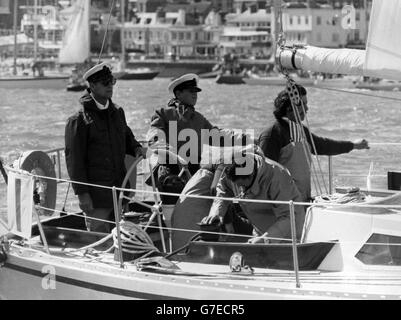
(97, 138)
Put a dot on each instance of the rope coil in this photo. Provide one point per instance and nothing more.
(134, 239)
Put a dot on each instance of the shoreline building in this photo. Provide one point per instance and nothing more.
(49, 30)
(324, 26)
(179, 33)
(247, 34)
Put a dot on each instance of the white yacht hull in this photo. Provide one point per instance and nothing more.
(30, 274)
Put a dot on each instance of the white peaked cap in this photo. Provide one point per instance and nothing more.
(186, 80)
(97, 68)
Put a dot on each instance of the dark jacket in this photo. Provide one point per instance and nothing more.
(191, 120)
(96, 142)
(276, 137)
(170, 122)
(277, 145)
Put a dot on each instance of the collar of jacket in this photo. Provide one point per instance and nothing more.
(89, 104)
(264, 174)
(181, 108)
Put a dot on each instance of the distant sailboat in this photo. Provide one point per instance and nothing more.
(76, 42)
(130, 74)
(34, 81)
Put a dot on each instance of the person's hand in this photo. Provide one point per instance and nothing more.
(259, 239)
(85, 202)
(361, 144)
(210, 219)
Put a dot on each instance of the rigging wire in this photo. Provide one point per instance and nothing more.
(295, 100)
(358, 93)
(105, 33)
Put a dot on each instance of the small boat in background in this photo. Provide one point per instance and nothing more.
(76, 82)
(230, 79)
(209, 75)
(76, 87)
(230, 71)
(136, 74)
(380, 85)
(216, 71)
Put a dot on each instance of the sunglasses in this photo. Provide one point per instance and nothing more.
(107, 82)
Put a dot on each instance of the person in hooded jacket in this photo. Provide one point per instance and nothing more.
(259, 178)
(97, 138)
(285, 141)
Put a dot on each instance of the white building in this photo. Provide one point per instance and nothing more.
(161, 33)
(49, 31)
(247, 33)
(325, 26)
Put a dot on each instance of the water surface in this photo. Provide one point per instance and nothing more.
(35, 120)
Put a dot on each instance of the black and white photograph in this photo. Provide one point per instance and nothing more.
(203, 155)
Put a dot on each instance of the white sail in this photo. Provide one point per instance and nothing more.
(382, 57)
(76, 43)
(383, 48)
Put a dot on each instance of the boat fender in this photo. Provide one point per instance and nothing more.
(39, 163)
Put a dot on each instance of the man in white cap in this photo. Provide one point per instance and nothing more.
(97, 138)
(180, 115)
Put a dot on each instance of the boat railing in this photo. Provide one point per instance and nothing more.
(57, 155)
(114, 190)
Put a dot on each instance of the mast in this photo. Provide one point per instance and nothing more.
(276, 24)
(122, 35)
(35, 32)
(15, 36)
(89, 29)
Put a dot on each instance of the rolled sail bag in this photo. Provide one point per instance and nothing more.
(39, 163)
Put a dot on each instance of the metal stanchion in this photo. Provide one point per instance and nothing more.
(117, 219)
(41, 231)
(59, 163)
(294, 243)
(330, 175)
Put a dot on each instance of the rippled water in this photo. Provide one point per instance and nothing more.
(35, 119)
